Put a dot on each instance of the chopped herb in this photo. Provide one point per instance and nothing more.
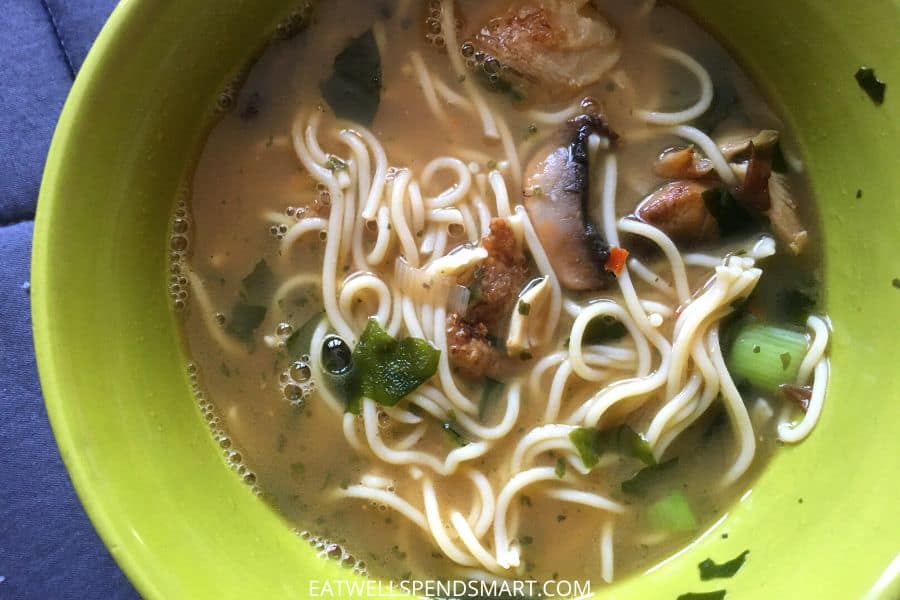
(525, 356)
(779, 164)
(526, 540)
(710, 570)
(591, 444)
(794, 305)
(245, 318)
(298, 343)
(560, 518)
(491, 165)
(858, 194)
(259, 285)
(715, 425)
(560, 469)
(225, 370)
(354, 89)
(716, 595)
(534, 191)
(643, 479)
(603, 328)
(871, 85)
(390, 369)
(730, 216)
(524, 308)
(298, 470)
(785, 360)
(672, 513)
(531, 130)
(756, 349)
(453, 434)
(896, 282)
(251, 108)
(524, 500)
(489, 393)
(335, 164)
(282, 442)
(249, 310)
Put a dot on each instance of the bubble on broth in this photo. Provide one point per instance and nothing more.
(295, 22)
(232, 455)
(179, 243)
(333, 551)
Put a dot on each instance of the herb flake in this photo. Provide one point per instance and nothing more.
(714, 595)
(870, 84)
(560, 468)
(711, 570)
(591, 444)
(640, 482)
(354, 89)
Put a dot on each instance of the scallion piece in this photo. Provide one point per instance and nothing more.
(767, 356)
(673, 513)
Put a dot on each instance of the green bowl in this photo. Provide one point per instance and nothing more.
(821, 522)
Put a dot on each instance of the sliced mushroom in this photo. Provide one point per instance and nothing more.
(556, 195)
(735, 145)
(529, 309)
(783, 216)
(551, 43)
(764, 190)
(682, 163)
(678, 209)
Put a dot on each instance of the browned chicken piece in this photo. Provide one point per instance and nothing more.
(678, 209)
(556, 195)
(470, 349)
(682, 163)
(560, 45)
(497, 282)
(499, 277)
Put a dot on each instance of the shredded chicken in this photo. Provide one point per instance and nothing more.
(499, 278)
(470, 348)
(496, 286)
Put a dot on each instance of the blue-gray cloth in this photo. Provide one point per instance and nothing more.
(48, 548)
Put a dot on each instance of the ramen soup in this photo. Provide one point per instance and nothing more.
(499, 289)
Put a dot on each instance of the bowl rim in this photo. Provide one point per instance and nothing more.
(114, 28)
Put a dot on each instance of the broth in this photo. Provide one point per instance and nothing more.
(282, 436)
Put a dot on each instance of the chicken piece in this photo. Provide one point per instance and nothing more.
(678, 209)
(556, 195)
(553, 44)
(682, 163)
(499, 277)
(470, 349)
(495, 290)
